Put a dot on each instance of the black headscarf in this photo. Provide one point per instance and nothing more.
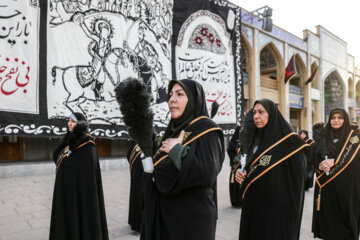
(276, 128)
(341, 134)
(306, 133)
(195, 107)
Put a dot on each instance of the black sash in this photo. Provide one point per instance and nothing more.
(271, 157)
(65, 152)
(310, 141)
(345, 157)
(134, 155)
(197, 128)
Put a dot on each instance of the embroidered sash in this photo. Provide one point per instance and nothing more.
(197, 128)
(346, 156)
(271, 157)
(65, 152)
(238, 153)
(134, 155)
(310, 141)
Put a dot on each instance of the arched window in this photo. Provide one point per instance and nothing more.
(334, 90)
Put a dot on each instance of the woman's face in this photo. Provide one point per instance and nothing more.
(177, 102)
(302, 135)
(336, 121)
(71, 124)
(261, 117)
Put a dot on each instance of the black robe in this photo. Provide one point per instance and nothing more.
(78, 210)
(310, 155)
(272, 206)
(179, 204)
(339, 214)
(234, 187)
(136, 201)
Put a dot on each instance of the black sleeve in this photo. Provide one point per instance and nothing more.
(199, 168)
(62, 144)
(234, 144)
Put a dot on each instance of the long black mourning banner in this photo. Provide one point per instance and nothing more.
(206, 48)
(63, 56)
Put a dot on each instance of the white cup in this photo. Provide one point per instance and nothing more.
(148, 165)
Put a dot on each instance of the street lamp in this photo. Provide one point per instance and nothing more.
(265, 13)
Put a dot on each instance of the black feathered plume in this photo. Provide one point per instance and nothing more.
(320, 138)
(134, 101)
(247, 132)
(214, 109)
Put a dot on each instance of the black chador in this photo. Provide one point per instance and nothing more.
(310, 154)
(273, 189)
(136, 201)
(234, 151)
(336, 212)
(78, 210)
(179, 203)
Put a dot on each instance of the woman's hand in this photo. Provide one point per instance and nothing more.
(240, 176)
(325, 165)
(169, 143)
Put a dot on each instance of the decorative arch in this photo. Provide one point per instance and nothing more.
(247, 62)
(270, 66)
(299, 79)
(334, 91)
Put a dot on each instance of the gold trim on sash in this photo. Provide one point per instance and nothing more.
(132, 151)
(337, 160)
(265, 161)
(132, 163)
(65, 155)
(187, 143)
(310, 140)
(353, 140)
(271, 147)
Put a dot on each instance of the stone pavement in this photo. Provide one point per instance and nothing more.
(25, 206)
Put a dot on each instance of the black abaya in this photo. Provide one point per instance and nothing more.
(78, 210)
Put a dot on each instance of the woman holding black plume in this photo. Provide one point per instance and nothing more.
(179, 182)
(272, 185)
(179, 199)
(337, 190)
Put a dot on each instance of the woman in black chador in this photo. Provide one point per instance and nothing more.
(136, 202)
(273, 183)
(234, 151)
(136, 199)
(78, 210)
(179, 201)
(337, 189)
(309, 181)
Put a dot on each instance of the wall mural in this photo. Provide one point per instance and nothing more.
(207, 50)
(63, 56)
(105, 42)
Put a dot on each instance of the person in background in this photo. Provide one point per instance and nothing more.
(309, 181)
(336, 213)
(136, 199)
(78, 209)
(272, 184)
(234, 151)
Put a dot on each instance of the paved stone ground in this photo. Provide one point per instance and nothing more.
(25, 205)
